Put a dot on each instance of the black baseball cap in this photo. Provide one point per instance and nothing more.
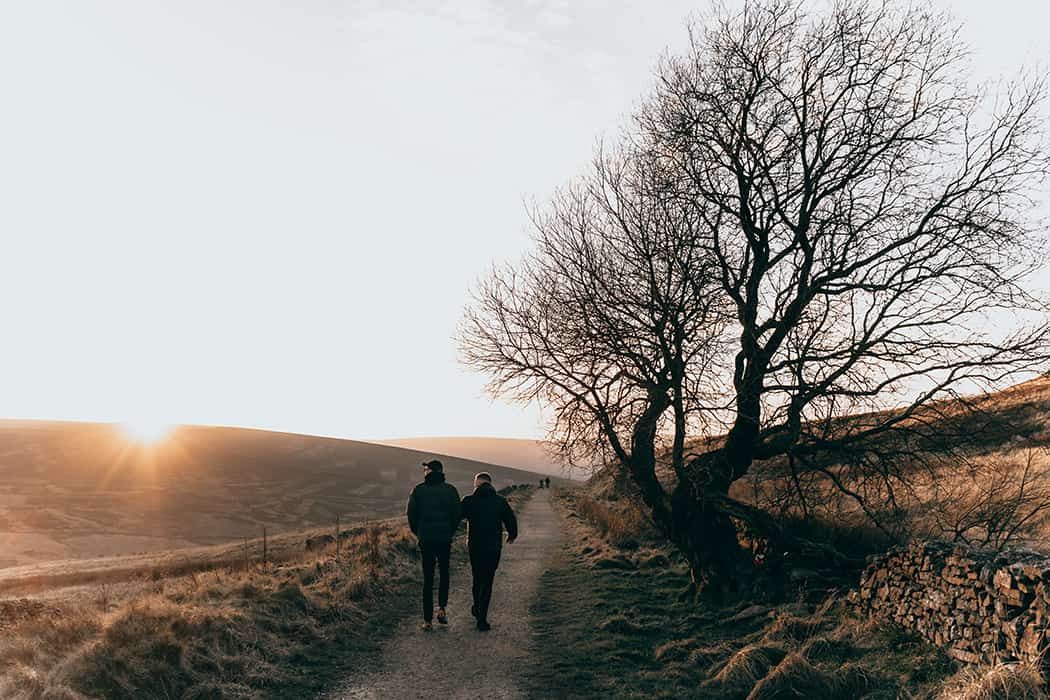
(434, 465)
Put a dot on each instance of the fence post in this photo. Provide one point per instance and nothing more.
(245, 553)
(265, 549)
(338, 542)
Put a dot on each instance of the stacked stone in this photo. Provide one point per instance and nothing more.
(978, 606)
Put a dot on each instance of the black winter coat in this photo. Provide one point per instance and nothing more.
(433, 510)
(487, 513)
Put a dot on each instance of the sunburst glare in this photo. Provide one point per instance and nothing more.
(146, 431)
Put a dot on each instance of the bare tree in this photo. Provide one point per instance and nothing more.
(840, 213)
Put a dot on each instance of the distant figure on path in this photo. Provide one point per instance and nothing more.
(487, 513)
(541, 483)
(433, 516)
(548, 485)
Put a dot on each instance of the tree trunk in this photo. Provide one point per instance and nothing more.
(702, 529)
(693, 516)
(707, 538)
(642, 464)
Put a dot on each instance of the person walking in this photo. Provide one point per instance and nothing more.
(433, 516)
(487, 513)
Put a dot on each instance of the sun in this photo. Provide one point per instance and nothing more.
(146, 431)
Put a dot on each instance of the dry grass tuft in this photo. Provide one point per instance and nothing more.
(744, 669)
(704, 658)
(853, 681)
(618, 624)
(827, 648)
(795, 677)
(791, 628)
(1000, 682)
(675, 651)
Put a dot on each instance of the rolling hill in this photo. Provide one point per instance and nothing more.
(510, 452)
(72, 490)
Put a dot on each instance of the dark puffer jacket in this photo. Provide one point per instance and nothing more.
(433, 510)
(487, 513)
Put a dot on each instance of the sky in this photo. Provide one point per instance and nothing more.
(271, 214)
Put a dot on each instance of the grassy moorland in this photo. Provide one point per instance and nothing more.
(611, 620)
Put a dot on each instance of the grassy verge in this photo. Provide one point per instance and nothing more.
(611, 621)
(281, 630)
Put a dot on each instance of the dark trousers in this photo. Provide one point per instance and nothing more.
(483, 565)
(434, 553)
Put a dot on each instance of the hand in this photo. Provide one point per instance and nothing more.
(510, 540)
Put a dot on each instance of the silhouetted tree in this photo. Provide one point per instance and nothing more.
(812, 217)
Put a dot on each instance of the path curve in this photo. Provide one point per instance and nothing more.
(457, 661)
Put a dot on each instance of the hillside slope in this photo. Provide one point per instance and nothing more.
(84, 489)
(509, 452)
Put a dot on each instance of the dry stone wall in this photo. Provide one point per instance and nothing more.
(980, 607)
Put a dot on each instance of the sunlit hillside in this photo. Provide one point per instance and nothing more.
(510, 452)
(977, 454)
(83, 489)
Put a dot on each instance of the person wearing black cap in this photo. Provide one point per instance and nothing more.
(433, 516)
(487, 513)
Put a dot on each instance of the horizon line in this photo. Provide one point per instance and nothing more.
(268, 429)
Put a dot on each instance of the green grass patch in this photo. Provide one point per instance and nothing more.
(597, 629)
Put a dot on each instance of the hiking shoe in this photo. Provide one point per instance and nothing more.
(426, 626)
(483, 626)
(442, 617)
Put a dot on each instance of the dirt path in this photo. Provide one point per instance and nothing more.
(458, 661)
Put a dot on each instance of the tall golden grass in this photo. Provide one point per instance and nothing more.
(620, 523)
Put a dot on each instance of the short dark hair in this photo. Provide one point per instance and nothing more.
(484, 476)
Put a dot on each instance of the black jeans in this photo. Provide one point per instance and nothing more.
(434, 553)
(483, 565)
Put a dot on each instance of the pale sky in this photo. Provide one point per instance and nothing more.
(270, 214)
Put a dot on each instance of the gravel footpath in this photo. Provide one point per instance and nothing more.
(457, 661)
